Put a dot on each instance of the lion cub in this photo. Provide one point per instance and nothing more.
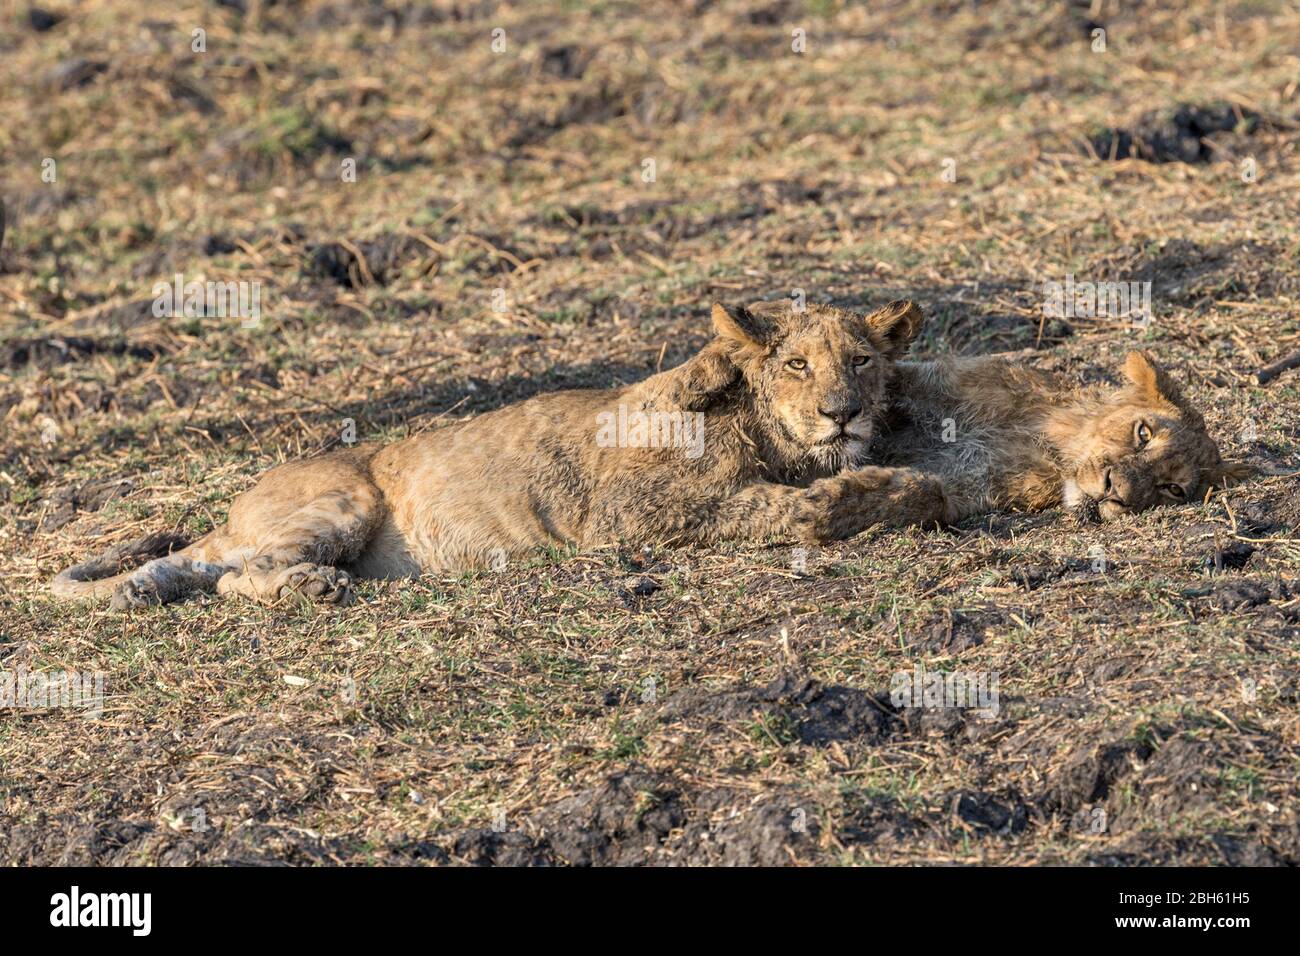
(1002, 435)
(747, 440)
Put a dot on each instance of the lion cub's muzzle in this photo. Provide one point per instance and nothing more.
(847, 424)
(1119, 489)
(841, 413)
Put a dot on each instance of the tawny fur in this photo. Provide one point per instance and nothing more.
(1002, 435)
(788, 401)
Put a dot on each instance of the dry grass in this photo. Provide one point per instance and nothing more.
(607, 724)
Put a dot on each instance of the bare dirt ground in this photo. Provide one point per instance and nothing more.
(625, 707)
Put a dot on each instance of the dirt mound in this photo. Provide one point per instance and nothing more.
(49, 351)
(1237, 594)
(790, 708)
(638, 818)
(643, 818)
(1084, 778)
(67, 503)
(1185, 134)
(991, 813)
(954, 631)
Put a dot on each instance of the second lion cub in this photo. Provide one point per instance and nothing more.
(1002, 435)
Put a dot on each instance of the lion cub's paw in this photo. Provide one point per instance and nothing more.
(315, 582)
(920, 499)
(1083, 514)
(873, 478)
(904, 496)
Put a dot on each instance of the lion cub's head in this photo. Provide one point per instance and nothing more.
(819, 374)
(1141, 446)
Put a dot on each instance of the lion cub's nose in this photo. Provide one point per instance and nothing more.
(842, 414)
(1115, 490)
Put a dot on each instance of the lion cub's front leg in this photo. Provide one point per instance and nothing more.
(835, 508)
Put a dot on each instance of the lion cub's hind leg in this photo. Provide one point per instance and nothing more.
(264, 582)
(295, 555)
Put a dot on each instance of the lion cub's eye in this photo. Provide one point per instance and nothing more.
(797, 364)
(1143, 432)
(860, 360)
(1177, 492)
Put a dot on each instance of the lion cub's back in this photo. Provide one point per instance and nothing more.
(501, 484)
(967, 419)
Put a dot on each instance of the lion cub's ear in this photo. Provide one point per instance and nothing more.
(1229, 473)
(895, 325)
(1151, 381)
(740, 327)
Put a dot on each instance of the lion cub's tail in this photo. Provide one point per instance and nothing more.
(98, 576)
